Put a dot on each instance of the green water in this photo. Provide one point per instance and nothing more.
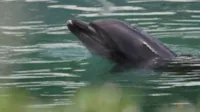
(39, 53)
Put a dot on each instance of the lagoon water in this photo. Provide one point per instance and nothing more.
(38, 53)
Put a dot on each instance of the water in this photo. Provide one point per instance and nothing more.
(39, 53)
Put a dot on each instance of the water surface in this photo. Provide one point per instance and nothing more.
(39, 53)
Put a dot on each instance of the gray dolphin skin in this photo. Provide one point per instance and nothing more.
(121, 43)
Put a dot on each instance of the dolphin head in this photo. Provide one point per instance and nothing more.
(119, 41)
(92, 36)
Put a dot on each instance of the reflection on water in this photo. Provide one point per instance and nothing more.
(39, 53)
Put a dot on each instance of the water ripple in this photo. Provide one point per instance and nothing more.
(142, 19)
(34, 28)
(95, 9)
(50, 1)
(128, 14)
(51, 61)
(139, 1)
(188, 20)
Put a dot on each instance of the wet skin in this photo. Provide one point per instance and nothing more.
(121, 43)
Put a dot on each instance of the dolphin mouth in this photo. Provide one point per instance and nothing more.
(84, 31)
(80, 27)
(89, 35)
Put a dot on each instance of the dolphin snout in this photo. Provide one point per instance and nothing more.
(69, 22)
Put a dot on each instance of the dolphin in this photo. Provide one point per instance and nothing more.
(121, 43)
